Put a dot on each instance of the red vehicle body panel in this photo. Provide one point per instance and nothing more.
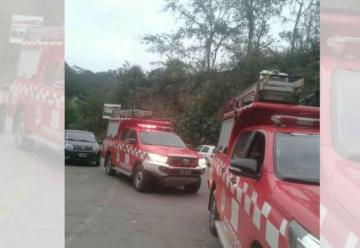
(260, 209)
(42, 104)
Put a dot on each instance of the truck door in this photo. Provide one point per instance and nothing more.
(132, 144)
(120, 150)
(241, 193)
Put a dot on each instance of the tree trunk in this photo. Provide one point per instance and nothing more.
(293, 38)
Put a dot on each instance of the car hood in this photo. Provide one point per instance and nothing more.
(301, 202)
(80, 143)
(171, 151)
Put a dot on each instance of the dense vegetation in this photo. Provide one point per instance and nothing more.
(231, 42)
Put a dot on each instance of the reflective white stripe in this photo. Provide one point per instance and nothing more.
(271, 235)
(245, 187)
(256, 217)
(266, 209)
(247, 204)
(254, 197)
(238, 194)
(283, 227)
(351, 241)
(234, 214)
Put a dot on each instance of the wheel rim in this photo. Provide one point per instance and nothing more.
(138, 179)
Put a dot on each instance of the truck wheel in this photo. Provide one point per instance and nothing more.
(108, 166)
(193, 187)
(21, 140)
(214, 216)
(141, 179)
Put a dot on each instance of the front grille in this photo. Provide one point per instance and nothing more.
(83, 148)
(183, 162)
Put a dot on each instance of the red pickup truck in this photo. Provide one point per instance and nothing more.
(264, 181)
(149, 151)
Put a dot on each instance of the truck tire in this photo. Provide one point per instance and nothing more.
(141, 180)
(21, 141)
(213, 216)
(108, 167)
(193, 187)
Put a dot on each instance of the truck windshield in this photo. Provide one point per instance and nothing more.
(297, 157)
(158, 138)
(80, 136)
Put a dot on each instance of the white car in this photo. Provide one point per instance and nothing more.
(206, 151)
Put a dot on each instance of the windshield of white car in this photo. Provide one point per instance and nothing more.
(297, 157)
(80, 136)
(159, 138)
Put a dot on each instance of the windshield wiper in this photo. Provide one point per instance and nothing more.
(302, 180)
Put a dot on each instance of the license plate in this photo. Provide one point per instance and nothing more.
(82, 155)
(186, 172)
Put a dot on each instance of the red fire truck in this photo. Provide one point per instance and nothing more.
(340, 114)
(36, 97)
(149, 151)
(264, 181)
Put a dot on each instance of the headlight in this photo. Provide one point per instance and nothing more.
(157, 158)
(299, 237)
(69, 147)
(202, 162)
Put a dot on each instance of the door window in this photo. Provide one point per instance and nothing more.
(241, 146)
(250, 145)
(124, 134)
(132, 137)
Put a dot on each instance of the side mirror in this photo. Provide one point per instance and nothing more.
(246, 167)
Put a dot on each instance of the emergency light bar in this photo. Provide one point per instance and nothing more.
(272, 87)
(147, 126)
(285, 120)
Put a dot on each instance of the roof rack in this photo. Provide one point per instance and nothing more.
(114, 112)
(272, 86)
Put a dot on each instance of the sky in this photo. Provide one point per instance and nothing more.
(103, 34)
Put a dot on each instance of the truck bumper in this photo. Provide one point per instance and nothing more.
(77, 156)
(173, 176)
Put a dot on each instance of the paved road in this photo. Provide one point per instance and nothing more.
(103, 211)
(31, 197)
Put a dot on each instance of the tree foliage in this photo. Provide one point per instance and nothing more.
(217, 51)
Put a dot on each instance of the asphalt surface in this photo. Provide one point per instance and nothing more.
(104, 211)
(31, 197)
